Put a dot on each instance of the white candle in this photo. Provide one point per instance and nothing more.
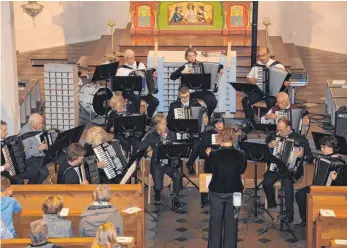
(155, 54)
(228, 54)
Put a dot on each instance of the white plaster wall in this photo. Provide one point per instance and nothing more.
(320, 25)
(63, 23)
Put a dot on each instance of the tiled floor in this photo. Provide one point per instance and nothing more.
(179, 230)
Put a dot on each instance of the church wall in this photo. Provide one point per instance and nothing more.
(318, 25)
(63, 23)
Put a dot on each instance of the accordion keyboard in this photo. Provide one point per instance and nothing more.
(8, 159)
(214, 139)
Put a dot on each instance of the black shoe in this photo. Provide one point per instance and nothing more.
(289, 218)
(300, 225)
(157, 197)
(191, 170)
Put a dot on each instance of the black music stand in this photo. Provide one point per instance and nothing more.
(127, 125)
(283, 172)
(126, 83)
(63, 140)
(256, 152)
(197, 81)
(342, 143)
(247, 88)
(173, 152)
(105, 72)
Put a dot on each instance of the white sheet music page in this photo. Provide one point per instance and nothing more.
(327, 212)
(132, 210)
(124, 239)
(341, 241)
(64, 212)
(339, 82)
(208, 180)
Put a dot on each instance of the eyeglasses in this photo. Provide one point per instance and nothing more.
(262, 55)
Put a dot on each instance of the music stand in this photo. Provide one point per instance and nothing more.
(247, 88)
(105, 72)
(128, 125)
(283, 172)
(173, 152)
(255, 152)
(183, 126)
(126, 83)
(342, 143)
(197, 81)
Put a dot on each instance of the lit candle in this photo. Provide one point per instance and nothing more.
(155, 54)
(228, 54)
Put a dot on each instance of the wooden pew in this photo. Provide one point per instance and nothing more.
(77, 198)
(322, 197)
(331, 227)
(62, 242)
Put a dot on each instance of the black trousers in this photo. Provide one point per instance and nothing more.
(128, 143)
(300, 197)
(209, 98)
(253, 98)
(152, 102)
(36, 164)
(104, 179)
(158, 171)
(31, 174)
(222, 219)
(270, 178)
(194, 152)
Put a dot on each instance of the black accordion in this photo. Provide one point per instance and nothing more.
(206, 68)
(111, 153)
(88, 170)
(189, 113)
(14, 154)
(49, 136)
(323, 167)
(150, 80)
(285, 150)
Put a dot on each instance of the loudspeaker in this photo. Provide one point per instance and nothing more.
(341, 122)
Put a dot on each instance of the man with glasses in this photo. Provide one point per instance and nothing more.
(252, 77)
(329, 145)
(129, 67)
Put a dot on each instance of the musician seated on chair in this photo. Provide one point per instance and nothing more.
(68, 172)
(96, 136)
(119, 107)
(329, 145)
(207, 96)
(34, 150)
(99, 212)
(272, 175)
(33, 174)
(283, 106)
(161, 135)
(130, 66)
(252, 77)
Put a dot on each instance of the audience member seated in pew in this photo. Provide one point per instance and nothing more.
(9, 206)
(99, 212)
(68, 172)
(39, 235)
(57, 226)
(106, 236)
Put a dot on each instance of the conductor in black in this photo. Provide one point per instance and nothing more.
(226, 165)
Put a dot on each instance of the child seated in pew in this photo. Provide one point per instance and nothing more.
(106, 236)
(99, 212)
(57, 226)
(9, 206)
(39, 235)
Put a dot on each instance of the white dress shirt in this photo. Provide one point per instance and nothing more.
(254, 72)
(125, 71)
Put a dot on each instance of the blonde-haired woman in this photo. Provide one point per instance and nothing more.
(99, 212)
(96, 136)
(106, 237)
(58, 227)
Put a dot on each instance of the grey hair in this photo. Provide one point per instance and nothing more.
(102, 193)
(128, 52)
(38, 232)
(33, 118)
(267, 49)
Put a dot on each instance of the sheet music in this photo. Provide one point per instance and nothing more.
(338, 82)
(208, 180)
(341, 241)
(64, 212)
(327, 212)
(132, 210)
(124, 239)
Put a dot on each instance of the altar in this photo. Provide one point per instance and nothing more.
(169, 61)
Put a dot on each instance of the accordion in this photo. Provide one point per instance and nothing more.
(206, 68)
(293, 114)
(113, 156)
(48, 137)
(323, 168)
(13, 152)
(285, 150)
(88, 170)
(270, 80)
(149, 84)
(189, 113)
(214, 139)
